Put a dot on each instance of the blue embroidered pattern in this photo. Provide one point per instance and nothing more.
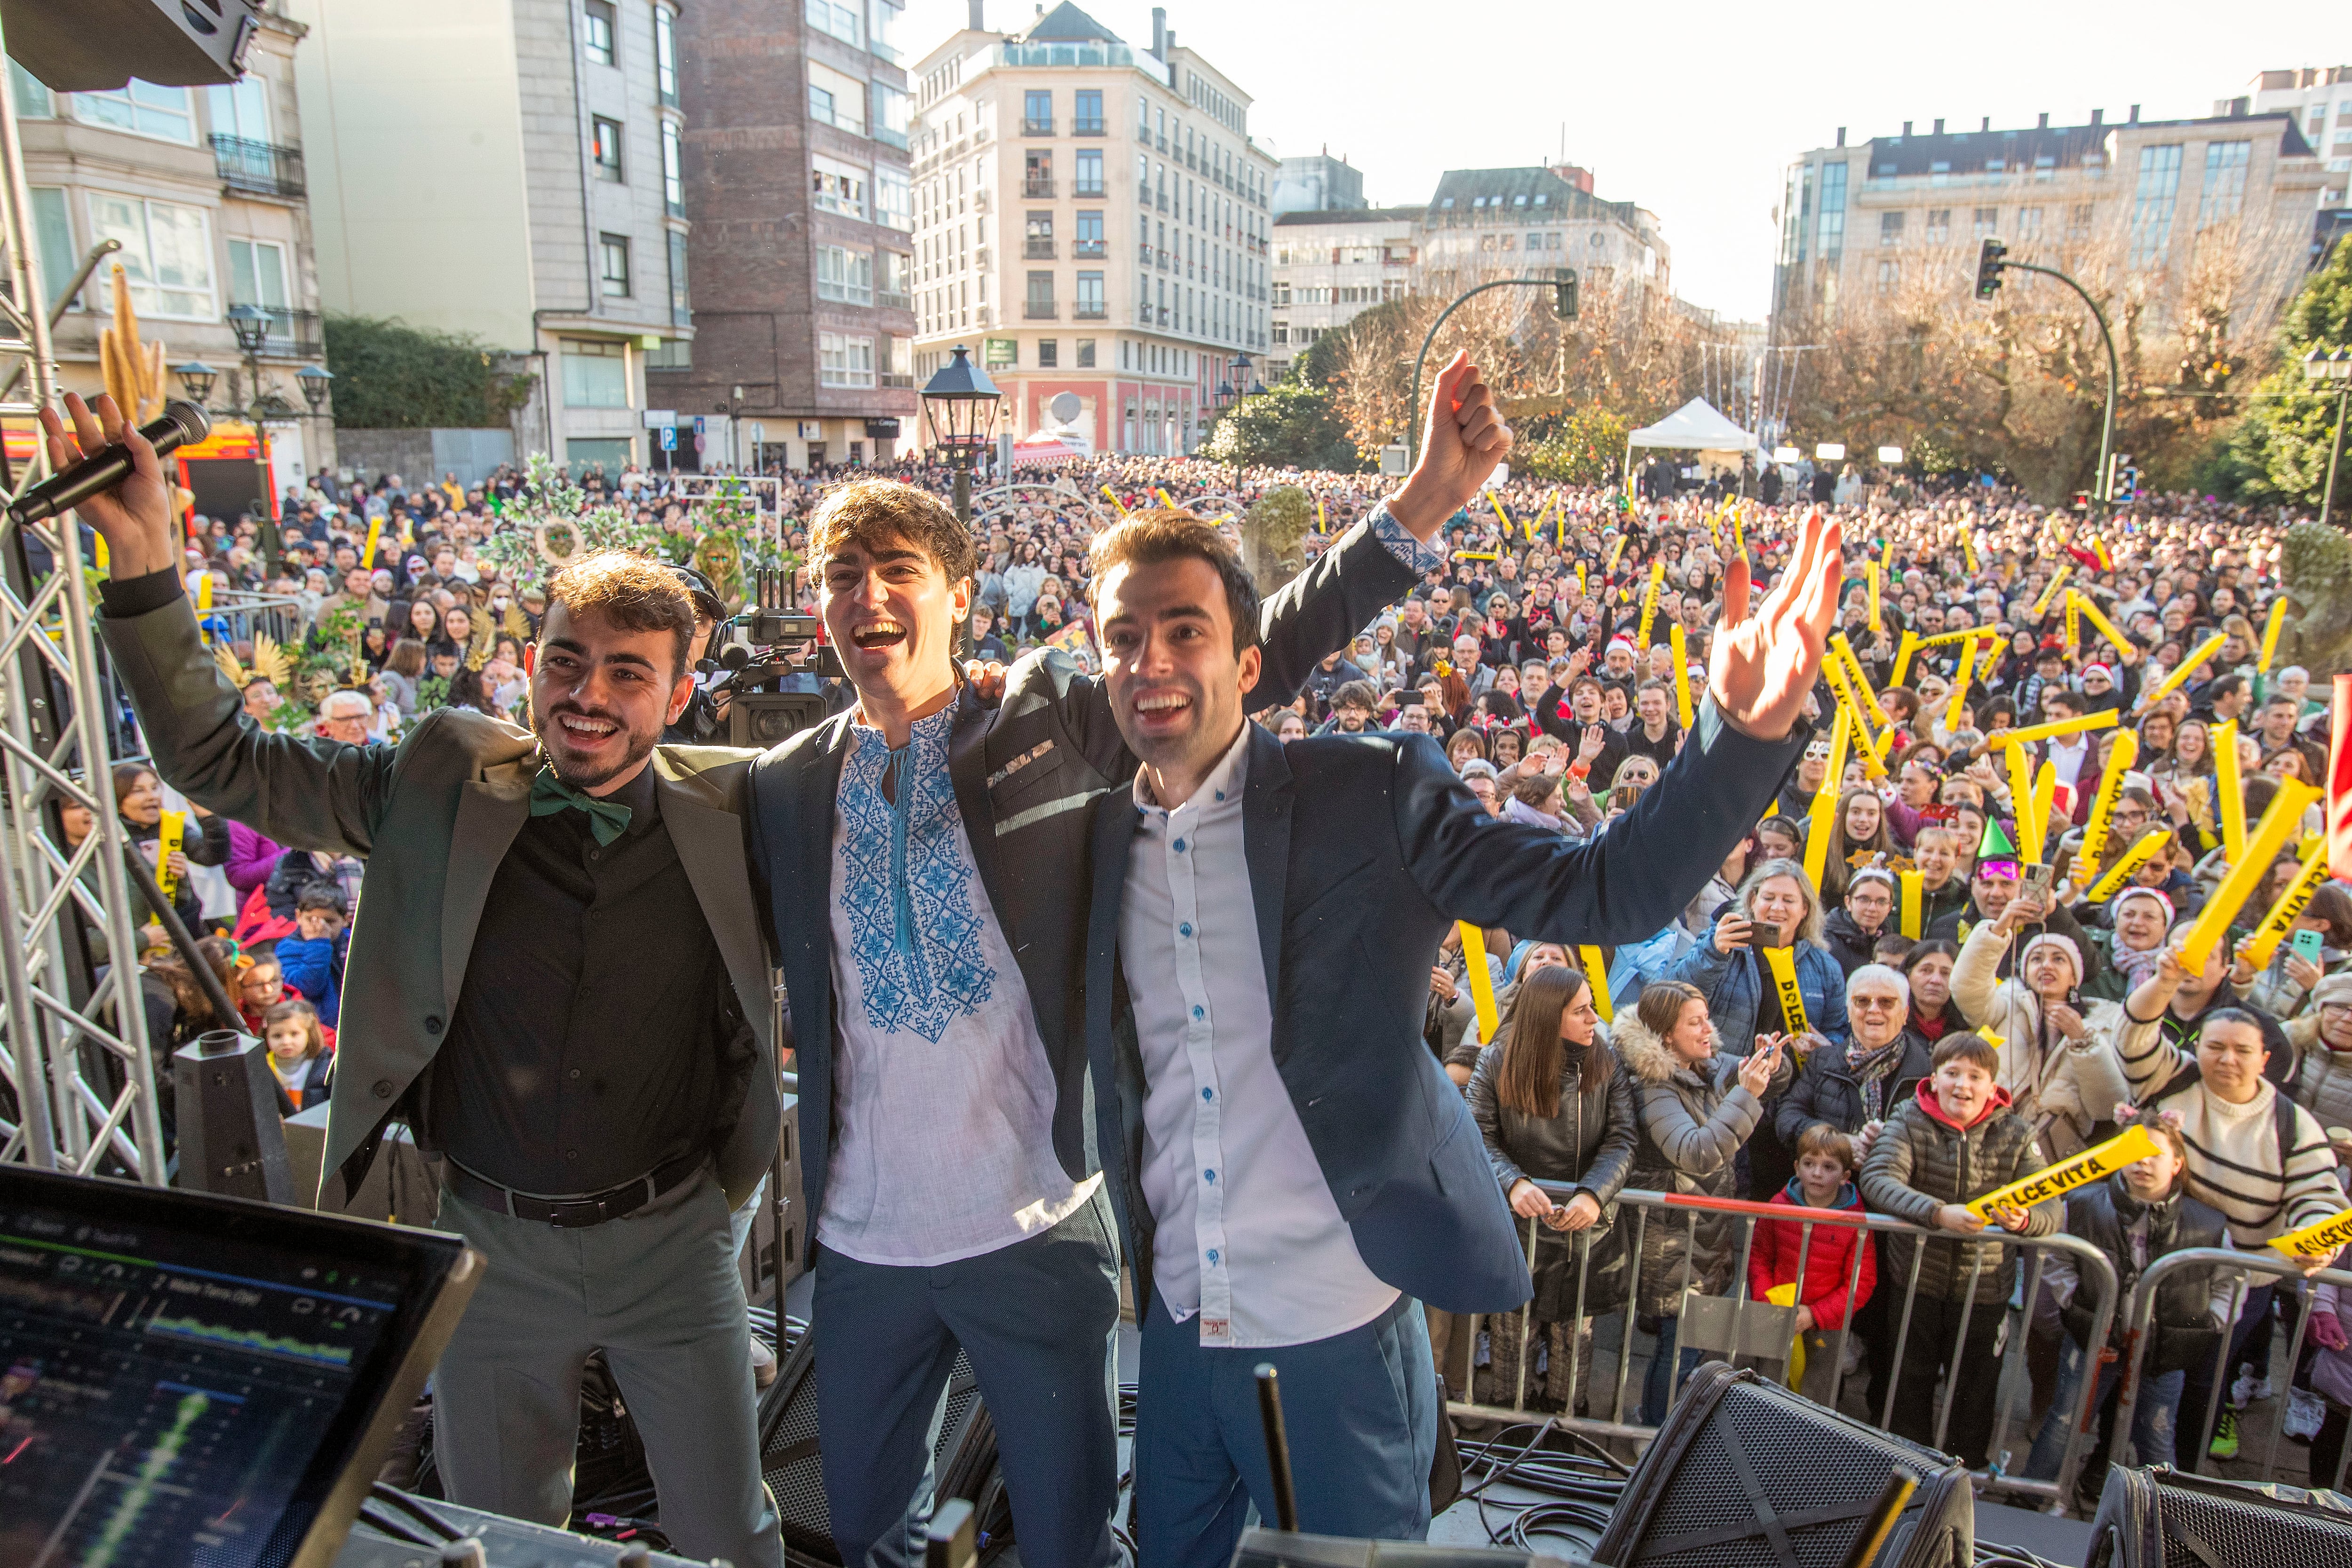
(1400, 542)
(906, 886)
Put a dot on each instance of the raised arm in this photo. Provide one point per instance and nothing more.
(307, 794)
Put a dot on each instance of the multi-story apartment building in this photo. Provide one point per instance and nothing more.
(1330, 267)
(203, 191)
(2135, 195)
(795, 164)
(1487, 223)
(2320, 97)
(514, 172)
(1091, 218)
(1317, 183)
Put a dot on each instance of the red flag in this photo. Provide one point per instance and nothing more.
(2339, 784)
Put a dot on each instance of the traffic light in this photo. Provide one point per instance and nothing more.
(1988, 265)
(1563, 290)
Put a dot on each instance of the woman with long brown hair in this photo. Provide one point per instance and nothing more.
(1552, 1105)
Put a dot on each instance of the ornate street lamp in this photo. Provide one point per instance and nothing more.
(251, 325)
(314, 379)
(2321, 370)
(198, 377)
(960, 405)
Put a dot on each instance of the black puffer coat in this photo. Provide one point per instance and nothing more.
(1921, 1161)
(1828, 1090)
(1589, 1143)
(2105, 1214)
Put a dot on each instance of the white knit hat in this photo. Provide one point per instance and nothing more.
(2051, 939)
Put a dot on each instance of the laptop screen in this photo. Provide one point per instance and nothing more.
(185, 1379)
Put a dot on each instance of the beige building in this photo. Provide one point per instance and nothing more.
(2138, 195)
(1092, 219)
(2320, 97)
(1329, 266)
(1490, 223)
(204, 192)
(511, 171)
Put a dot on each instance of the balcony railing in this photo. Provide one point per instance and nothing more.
(1039, 249)
(1090, 311)
(1089, 249)
(890, 301)
(1038, 127)
(1085, 126)
(1085, 187)
(1040, 311)
(257, 168)
(1035, 189)
(293, 335)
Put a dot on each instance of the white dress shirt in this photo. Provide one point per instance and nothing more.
(1247, 1234)
(943, 1095)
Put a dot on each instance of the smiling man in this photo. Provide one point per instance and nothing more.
(556, 977)
(1293, 1172)
(927, 855)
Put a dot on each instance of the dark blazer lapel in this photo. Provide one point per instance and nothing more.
(968, 770)
(809, 860)
(490, 811)
(1265, 845)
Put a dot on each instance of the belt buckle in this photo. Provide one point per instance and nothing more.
(577, 1216)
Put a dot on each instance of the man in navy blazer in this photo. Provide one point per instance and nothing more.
(1293, 1171)
(925, 855)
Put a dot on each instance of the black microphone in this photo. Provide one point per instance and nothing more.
(181, 425)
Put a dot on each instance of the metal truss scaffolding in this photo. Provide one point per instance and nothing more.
(77, 1080)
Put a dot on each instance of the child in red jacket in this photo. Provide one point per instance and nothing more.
(1824, 1180)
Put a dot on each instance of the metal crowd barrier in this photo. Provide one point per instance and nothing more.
(2139, 1316)
(1761, 1332)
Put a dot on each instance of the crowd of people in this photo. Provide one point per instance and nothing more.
(1956, 1013)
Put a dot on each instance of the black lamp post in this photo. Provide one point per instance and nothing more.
(251, 325)
(960, 404)
(314, 379)
(198, 377)
(2319, 371)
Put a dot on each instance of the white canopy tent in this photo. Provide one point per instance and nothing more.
(1697, 427)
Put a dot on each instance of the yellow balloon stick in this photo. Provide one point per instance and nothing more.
(1823, 815)
(1616, 553)
(1320, 527)
(1959, 698)
(1915, 889)
(2106, 626)
(2045, 796)
(1596, 974)
(1115, 500)
(2050, 593)
(1482, 984)
(2319, 1236)
(1495, 500)
(2111, 784)
(2229, 789)
(2144, 846)
(2020, 804)
(2105, 719)
(1870, 570)
(1649, 604)
(375, 531)
(1903, 652)
(204, 591)
(2073, 622)
(2279, 824)
(2271, 633)
(1868, 698)
(1683, 709)
(2188, 666)
(1965, 633)
(2131, 1145)
(1969, 549)
(1842, 687)
(2264, 943)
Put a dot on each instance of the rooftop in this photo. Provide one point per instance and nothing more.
(1067, 24)
(1536, 191)
(1351, 214)
(2046, 146)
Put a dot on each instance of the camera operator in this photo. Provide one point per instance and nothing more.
(704, 722)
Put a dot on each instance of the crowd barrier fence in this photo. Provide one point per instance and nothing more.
(1738, 1326)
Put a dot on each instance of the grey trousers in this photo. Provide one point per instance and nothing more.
(658, 1292)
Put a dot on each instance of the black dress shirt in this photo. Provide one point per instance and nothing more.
(597, 1036)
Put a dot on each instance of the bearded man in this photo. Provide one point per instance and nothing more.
(556, 977)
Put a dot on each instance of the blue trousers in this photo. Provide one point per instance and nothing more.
(1039, 1320)
(2153, 1418)
(1359, 1408)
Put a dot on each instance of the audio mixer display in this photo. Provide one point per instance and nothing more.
(163, 1397)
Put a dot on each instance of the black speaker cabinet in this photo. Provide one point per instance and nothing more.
(93, 45)
(963, 1461)
(2160, 1518)
(230, 1141)
(1745, 1472)
(783, 1212)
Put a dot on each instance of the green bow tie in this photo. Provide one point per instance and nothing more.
(607, 819)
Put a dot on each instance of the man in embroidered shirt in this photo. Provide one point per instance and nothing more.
(925, 857)
(1295, 1170)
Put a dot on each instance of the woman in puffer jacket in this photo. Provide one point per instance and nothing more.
(2323, 1053)
(1777, 907)
(1552, 1105)
(2053, 1058)
(1695, 1110)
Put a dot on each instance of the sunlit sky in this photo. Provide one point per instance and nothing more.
(1692, 109)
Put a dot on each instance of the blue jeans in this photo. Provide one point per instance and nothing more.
(2154, 1419)
(1666, 1374)
(1361, 1409)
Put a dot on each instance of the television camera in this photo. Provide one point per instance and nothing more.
(773, 665)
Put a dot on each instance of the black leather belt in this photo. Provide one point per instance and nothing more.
(571, 1213)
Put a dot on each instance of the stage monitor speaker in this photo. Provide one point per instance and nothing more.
(400, 1186)
(765, 1255)
(226, 1101)
(93, 46)
(1745, 1472)
(1263, 1548)
(2159, 1517)
(963, 1460)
